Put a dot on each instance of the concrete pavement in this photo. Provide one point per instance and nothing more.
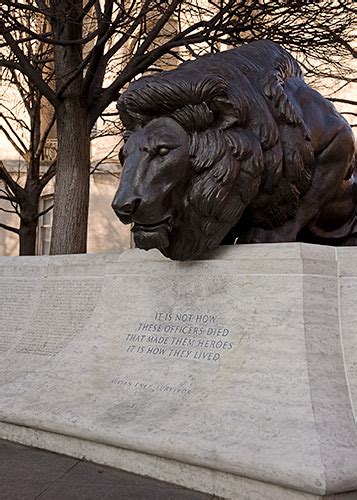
(29, 474)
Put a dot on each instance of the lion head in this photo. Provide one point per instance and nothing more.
(194, 162)
(155, 174)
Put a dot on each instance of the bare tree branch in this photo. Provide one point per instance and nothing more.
(43, 139)
(344, 101)
(48, 175)
(11, 140)
(7, 211)
(10, 228)
(14, 186)
(22, 148)
(44, 212)
(26, 67)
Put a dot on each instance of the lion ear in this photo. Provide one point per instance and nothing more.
(228, 113)
(131, 120)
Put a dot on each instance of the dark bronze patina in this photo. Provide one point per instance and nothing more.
(234, 146)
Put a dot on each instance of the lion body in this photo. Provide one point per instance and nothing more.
(268, 156)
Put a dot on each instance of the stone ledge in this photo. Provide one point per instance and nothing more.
(197, 478)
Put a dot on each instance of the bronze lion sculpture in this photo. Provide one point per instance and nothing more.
(234, 147)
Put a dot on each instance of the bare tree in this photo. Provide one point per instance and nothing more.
(22, 122)
(26, 121)
(99, 46)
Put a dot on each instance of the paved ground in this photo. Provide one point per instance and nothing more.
(28, 474)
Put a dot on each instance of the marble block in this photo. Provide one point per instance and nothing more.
(235, 374)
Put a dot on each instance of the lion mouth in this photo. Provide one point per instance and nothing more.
(155, 235)
(139, 226)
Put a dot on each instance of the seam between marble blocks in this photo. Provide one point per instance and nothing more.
(323, 490)
(341, 339)
(336, 277)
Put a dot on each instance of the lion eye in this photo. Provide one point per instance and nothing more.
(163, 151)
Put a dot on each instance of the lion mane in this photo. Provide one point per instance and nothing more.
(250, 152)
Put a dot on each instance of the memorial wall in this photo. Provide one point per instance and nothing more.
(235, 375)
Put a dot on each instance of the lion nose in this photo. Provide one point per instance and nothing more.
(125, 210)
(128, 208)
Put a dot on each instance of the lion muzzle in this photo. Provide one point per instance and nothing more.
(152, 236)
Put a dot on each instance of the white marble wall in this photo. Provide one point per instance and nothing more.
(231, 366)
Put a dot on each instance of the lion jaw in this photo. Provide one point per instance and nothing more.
(147, 236)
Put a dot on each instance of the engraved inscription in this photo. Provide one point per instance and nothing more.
(197, 336)
(142, 386)
(16, 299)
(63, 308)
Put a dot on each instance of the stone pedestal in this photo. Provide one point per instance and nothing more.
(235, 375)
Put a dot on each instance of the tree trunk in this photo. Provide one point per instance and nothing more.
(28, 223)
(70, 217)
(28, 236)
